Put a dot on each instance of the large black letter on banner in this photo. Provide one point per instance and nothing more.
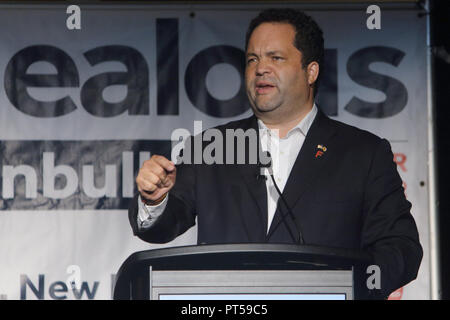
(396, 93)
(136, 80)
(327, 95)
(17, 81)
(195, 82)
(167, 66)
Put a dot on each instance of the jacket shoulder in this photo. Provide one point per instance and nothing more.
(354, 134)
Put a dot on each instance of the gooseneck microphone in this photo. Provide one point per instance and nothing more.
(300, 240)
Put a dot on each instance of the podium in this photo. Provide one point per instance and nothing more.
(243, 271)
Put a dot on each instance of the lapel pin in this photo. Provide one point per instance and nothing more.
(320, 152)
(319, 146)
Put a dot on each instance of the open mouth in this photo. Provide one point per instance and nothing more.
(262, 88)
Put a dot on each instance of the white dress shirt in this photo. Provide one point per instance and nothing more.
(283, 152)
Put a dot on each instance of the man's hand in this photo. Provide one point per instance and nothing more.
(155, 178)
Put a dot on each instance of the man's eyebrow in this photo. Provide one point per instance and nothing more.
(274, 52)
(268, 53)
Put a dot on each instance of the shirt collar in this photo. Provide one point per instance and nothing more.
(303, 126)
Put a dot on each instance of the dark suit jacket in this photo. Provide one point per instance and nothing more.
(350, 197)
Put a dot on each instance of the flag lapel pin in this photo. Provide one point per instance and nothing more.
(321, 149)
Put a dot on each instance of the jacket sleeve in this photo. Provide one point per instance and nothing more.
(389, 232)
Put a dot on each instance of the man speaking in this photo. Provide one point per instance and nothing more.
(329, 184)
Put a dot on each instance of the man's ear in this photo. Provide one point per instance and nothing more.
(312, 72)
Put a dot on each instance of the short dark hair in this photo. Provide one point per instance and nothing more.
(308, 35)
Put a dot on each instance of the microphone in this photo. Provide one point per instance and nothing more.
(267, 163)
(297, 227)
(260, 176)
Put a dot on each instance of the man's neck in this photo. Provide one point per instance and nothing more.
(285, 125)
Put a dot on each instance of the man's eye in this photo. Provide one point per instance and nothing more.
(251, 60)
(277, 58)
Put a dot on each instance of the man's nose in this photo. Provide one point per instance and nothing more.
(262, 68)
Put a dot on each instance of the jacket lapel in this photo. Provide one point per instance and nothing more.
(257, 189)
(308, 164)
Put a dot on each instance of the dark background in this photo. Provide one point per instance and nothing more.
(440, 39)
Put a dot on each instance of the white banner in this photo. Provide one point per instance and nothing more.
(81, 109)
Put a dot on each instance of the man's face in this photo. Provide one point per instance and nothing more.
(275, 79)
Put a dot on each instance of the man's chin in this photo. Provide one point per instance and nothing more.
(265, 108)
